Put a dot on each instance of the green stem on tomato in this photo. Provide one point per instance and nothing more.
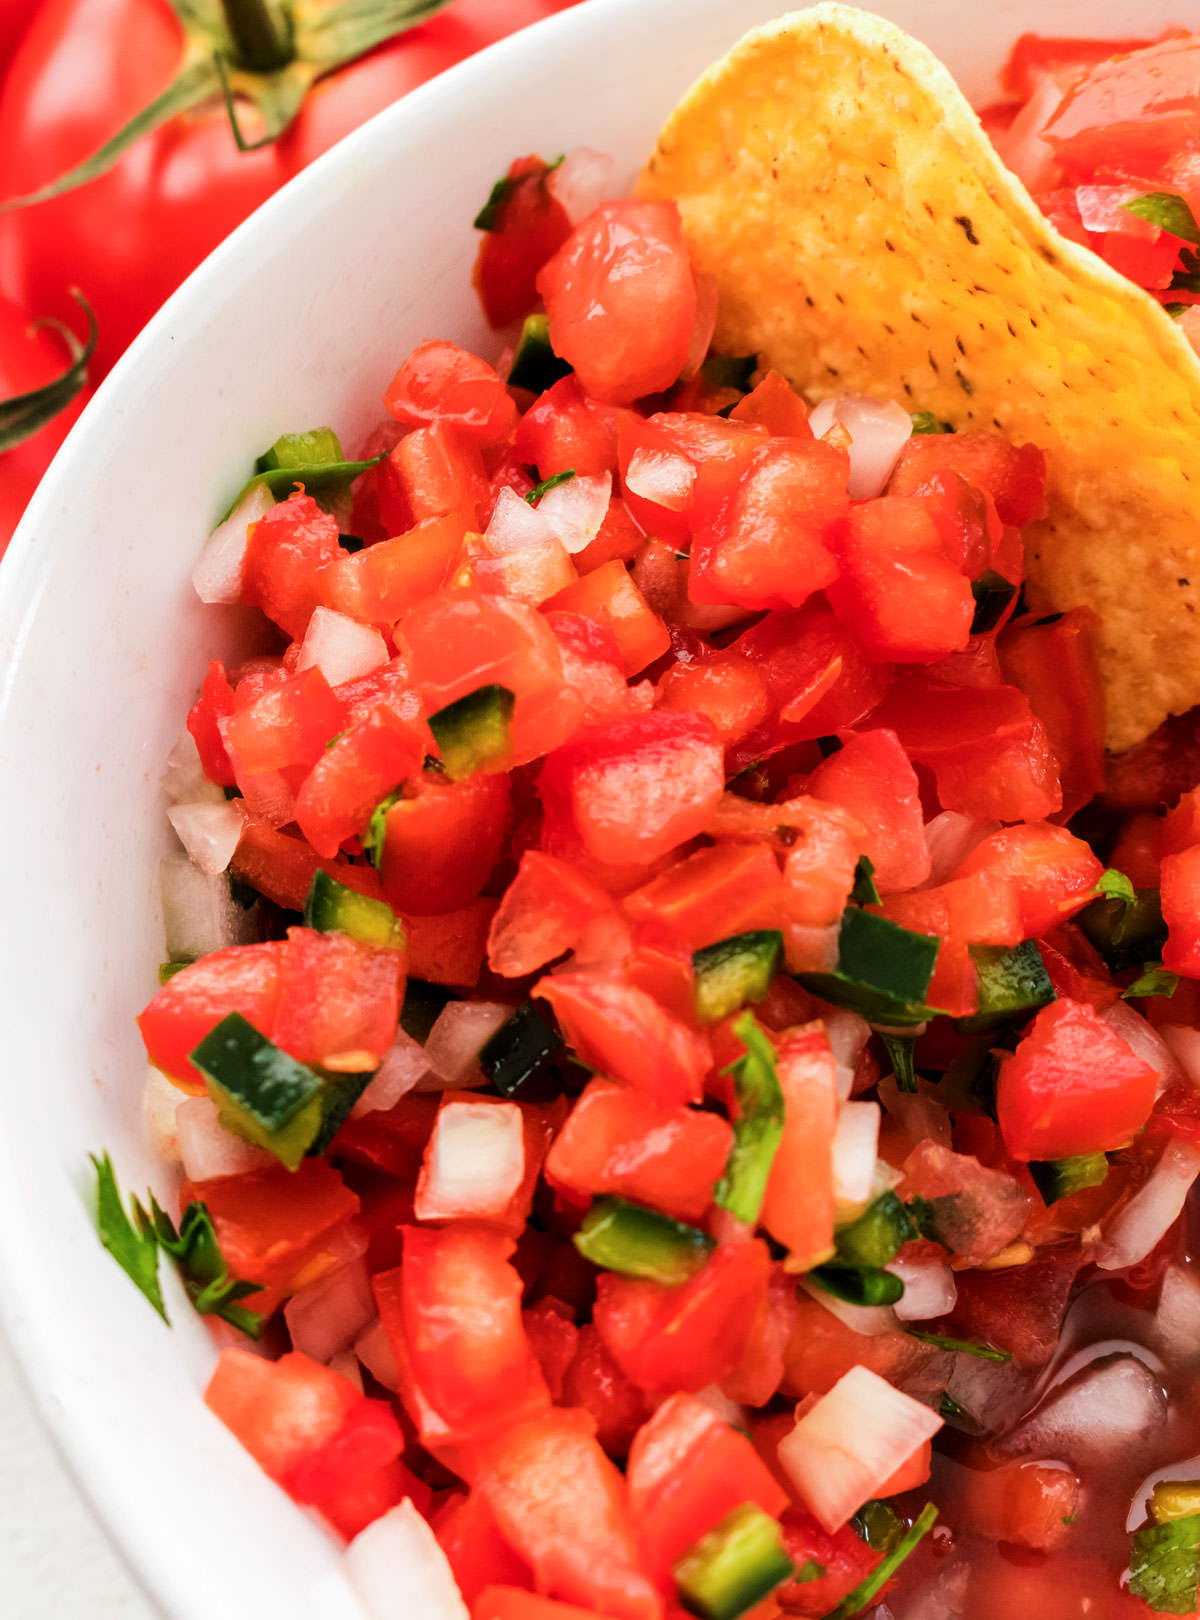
(262, 33)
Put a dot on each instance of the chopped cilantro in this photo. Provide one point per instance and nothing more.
(1114, 885)
(134, 1245)
(867, 1590)
(1153, 980)
(534, 495)
(965, 1347)
(927, 422)
(759, 1124)
(372, 839)
(1168, 211)
(879, 1525)
(1164, 1565)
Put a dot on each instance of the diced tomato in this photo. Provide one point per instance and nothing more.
(1055, 665)
(283, 1412)
(687, 1471)
(285, 555)
(215, 703)
(379, 584)
(596, 1383)
(638, 788)
(554, 1339)
(659, 459)
(1013, 475)
(685, 1337)
(562, 1505)
(240, 978)
(822, 1349)
(1030, 1504)
(871, 777)
(339, 1000)
(278, 1228)
(727, 688)
(798, 1209)
(1181, 911)
(1052, 873)
(280, 865)
(542, 915)
(462, 1323)
(898, 593)
(618, 1140)
(1072, 1086)
(834, 1564)
(623, 1032)
(767, 528)
(448, 948)
(361, 767)
(440, 844)
(1131, 114)
(478, 1555)
(621, 297)
(438, 470)
(525, 225)
(609, 595)
(712, 893)
(287, 725)
(563, 431)
(774, 404)
(439, 382)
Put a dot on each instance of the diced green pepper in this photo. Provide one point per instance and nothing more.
(639, 1242)
(262, 1094)
(878, 1235)
(474, 731)
(858, 1285)
(735, 971)
(1059, 1178)
(535, 365)
(734, 1566)
(883, 970)
(332, 907)
(519, 1050)
(313, 459)
(1012, 982)
(865, 892)
(290, 451)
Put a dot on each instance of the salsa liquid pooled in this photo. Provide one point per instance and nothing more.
(678, 1040)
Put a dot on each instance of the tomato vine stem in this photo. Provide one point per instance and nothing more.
(262, 33)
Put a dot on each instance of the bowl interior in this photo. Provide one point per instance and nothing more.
(300, 318)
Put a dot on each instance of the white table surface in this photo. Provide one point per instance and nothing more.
(56, 1562)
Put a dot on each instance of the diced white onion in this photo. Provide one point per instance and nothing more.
(869, 1320)
(1101, 207)
(575, 510)
(331, 1313)
(207, 1150)
(878, 428)
(460, 1032)
(851, 1442)
(375, 1351)
(341, 648)
(921, 1115)
(404, 1066)
(855, 1148)
(1152, 1210)
(217, 576)
(184, 781)
(160, 1105)
(661, 474)
(848, 1034)
(1184, 1043)
(929, 1289)
(1144, 1040)
(268, 795)
(397, 1561)
(209, 832)
(199, 913)
(515, 524)
(581, 182)
(951, 837)
(474, 1162)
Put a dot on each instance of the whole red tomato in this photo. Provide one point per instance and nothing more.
(85, 67)
(29, 358)
(15, 17)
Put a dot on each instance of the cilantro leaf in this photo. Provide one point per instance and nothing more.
(1164, 1565)
(901, 1051)
(927, 422)
(864, 892)
(965, 1347)
(868, 1589)
(810, 1570)
(1168, 211)
(1114, 885)
(758, 1127)
(1153, 980)
(534, 495)
(132, 1243)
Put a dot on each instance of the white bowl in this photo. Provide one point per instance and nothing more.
(299, 318)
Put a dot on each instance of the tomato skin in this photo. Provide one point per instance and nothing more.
(286, 552)
(623, 1032)
(439, 382)
(29, 359)
(1013, 475)
(531, 226)
(477, 1553)
(1072, 1086)
(1055, 666)
(1181, 908)
(621, 297)
(871, 777)
(214, 704)
(354, 773)
(439, 846)
(594, 1382)
(798, 1209)
(241, 978)
(74, 81)
(338, 998)
(1132, 114)
(712, 894)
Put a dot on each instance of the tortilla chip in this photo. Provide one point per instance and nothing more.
(866, 238)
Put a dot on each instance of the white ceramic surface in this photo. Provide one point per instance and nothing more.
(299, 318)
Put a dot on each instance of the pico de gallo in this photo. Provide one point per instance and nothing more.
(681, 1050)
(1104, 133)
